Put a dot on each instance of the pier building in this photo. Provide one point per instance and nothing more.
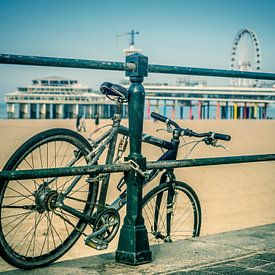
(55, 97)
(229, 102)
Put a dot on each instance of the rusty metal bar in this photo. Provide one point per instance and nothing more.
(65, 62)
(123, 66)
(115, 168)
(209, 161)
(63, 172)
(165, 69)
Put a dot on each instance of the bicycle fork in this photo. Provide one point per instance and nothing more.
(167, 177)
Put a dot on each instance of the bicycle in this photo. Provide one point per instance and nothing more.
(41, 219)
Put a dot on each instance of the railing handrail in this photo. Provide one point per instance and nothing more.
(65, 62)
(124, 167)
(123, 66)
(167, 69)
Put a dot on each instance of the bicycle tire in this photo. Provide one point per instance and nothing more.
(32, 233)
(180, 219)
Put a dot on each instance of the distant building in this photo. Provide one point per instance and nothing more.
(56, 97)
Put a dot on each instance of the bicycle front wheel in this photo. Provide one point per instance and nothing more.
(33, 231)
(171, 212)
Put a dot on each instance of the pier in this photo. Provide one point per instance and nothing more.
(60, 98)
(57, 98)
(226, 102)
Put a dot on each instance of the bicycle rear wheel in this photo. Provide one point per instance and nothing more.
(33, 231)
(171, 212)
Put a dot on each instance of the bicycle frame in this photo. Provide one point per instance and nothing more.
(109, 140)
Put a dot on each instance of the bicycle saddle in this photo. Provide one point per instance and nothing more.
(114, 91)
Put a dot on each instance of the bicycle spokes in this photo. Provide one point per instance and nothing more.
(171, 214)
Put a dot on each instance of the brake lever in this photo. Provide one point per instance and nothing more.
(213, 142)
(222, 146)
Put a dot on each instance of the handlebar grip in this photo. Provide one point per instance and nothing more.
(221, 136)
(159, 117)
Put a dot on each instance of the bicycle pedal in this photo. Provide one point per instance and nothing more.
(97, 244)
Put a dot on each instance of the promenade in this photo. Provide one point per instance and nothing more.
(232, 197)
(246, 251)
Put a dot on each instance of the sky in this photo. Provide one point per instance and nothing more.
(197, 33)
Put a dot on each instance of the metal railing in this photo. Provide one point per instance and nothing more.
(118, 168)
(136, 67)
(126, 66)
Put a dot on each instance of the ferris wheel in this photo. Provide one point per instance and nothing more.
(245, 56)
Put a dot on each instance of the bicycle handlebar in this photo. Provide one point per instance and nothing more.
(159, 117)
(164, 119)
(222, 137)
(188, 132)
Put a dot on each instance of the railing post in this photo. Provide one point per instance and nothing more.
(133, 247)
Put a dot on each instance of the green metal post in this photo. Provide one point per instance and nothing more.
(133, 247)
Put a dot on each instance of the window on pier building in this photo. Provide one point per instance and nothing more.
(54, 82)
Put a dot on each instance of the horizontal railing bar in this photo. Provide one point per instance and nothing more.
(115, 168)
(209, 161)
(166, 69)
(122, 66)
(65, 62)
(64, 171)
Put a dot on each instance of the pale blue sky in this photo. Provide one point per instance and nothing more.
(196, 33)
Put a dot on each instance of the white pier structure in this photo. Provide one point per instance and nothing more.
(55, 97)
(229, 102)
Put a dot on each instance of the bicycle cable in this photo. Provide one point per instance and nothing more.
(192, 149)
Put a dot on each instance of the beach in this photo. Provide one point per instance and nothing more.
(232, 196)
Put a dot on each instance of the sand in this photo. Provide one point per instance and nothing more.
(232, 196)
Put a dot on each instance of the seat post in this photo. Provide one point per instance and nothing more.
(119, 105)
(133, 247)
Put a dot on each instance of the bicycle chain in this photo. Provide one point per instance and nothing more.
(70, 223)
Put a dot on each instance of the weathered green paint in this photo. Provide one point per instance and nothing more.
(133, 246)
(65, 62)
(166, 69)
(128, 66)
(209, 161)
(63, 172)
(141, 65)
(123, 167)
